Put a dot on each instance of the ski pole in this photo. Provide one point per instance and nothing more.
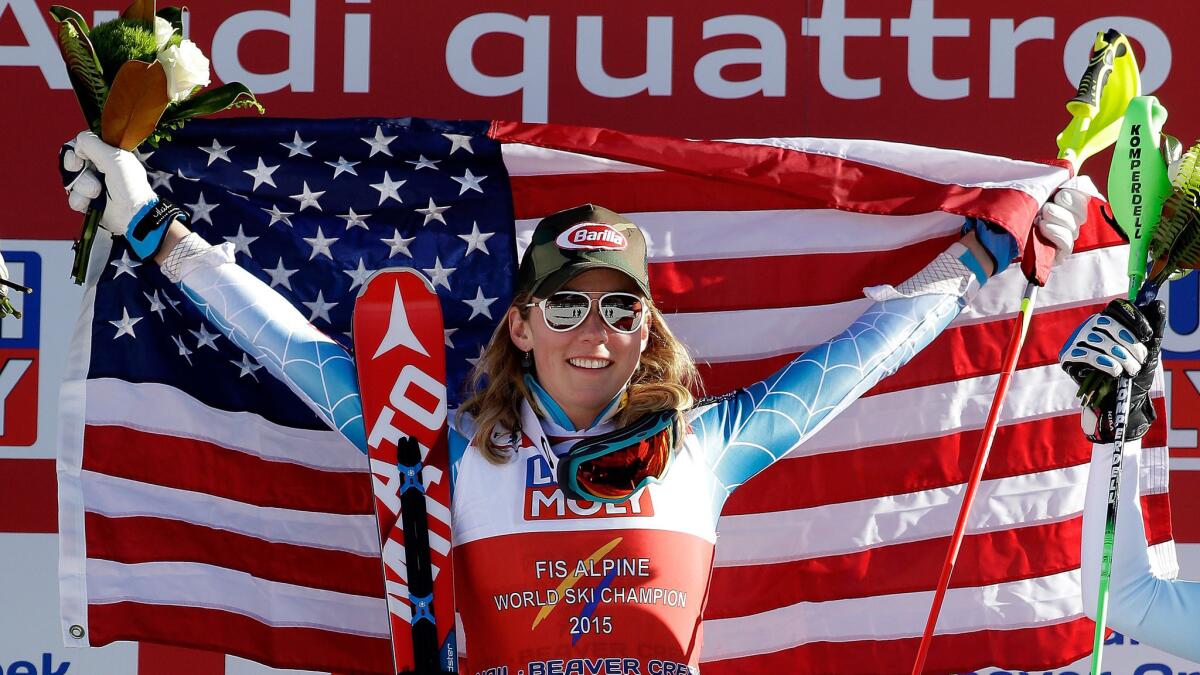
(1110, 81)
(1147, 179)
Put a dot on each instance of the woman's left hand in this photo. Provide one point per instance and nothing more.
(1061, 217)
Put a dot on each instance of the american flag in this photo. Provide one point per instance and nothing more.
(202, 505)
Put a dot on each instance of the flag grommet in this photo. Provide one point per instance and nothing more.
(76, 631)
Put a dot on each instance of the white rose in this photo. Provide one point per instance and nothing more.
(187, 68)
(163, 30)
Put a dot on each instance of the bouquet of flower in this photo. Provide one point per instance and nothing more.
(137, 80)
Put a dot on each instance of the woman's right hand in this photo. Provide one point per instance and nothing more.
(86, 161)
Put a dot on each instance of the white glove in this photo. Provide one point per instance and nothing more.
(6, 306)
(124, 178)
(1061, 217)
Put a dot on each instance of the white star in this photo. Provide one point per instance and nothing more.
(173, 303)
(298, 146)
(125, 265)
(279, 275)
(179, 172)
(261, 174)
(359, 276)
(342, 166)
(160, 179)
(355, 219)
(241, 242)
(422, 163)
(125, 324)
(379, 143)
(142, 157)
(440, 276)
(476, 241)
(183, 350)
(468, 182)
(218, 151)
(308, 198)
(320, 308)
(398, 244)
(449, 332)
(278, 216)
(320, 244)
(201, 209)
(247, 367)
(387, 189)
(206, 338)
(480, 305)
(156, 304)
(475, 361)
(433, 212)
(459, 141)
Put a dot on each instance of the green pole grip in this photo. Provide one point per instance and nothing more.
(1137, 181)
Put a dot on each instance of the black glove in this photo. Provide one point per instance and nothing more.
(1121, 340)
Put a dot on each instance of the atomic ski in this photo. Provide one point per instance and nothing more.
(401, 364)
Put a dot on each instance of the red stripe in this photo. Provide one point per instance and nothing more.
(1156, 517)
(231, 633)
(901, 468)
(960, 352)
(164, 660)
(984, 559)
(146, 539)
(30, 489)
(784, 281)
(1024, 649)
(1185, 503)
(199, 466)
(823, 181)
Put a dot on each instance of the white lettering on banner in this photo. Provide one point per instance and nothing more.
(1155, 45)
(299, 26)
(356, 54)
(831, 30)
(1178, 438)
(589, 59)
(533, 80)
(1002, 51)
(10, 375)
(771, 57)
(921, 27)
(40, 49)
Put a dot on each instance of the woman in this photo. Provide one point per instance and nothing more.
(587, 481)
(1165, 613)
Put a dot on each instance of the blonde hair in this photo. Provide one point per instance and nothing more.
(664, 379)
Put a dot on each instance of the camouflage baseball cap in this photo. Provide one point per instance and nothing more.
(578, 239)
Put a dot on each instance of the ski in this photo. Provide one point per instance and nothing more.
(401, 365)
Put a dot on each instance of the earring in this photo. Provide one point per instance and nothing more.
(527, 359)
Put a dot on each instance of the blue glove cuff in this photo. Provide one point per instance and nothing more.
(149, 225)
(1000, 245)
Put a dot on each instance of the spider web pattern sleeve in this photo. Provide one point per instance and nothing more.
(754, 427)
(267, 327)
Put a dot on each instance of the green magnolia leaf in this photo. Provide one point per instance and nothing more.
(61, 14)
(173, 15)
(232, 95)
(84, 71)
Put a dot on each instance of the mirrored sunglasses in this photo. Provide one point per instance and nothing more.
(565, 310)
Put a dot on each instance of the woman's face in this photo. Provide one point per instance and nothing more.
(585, 367)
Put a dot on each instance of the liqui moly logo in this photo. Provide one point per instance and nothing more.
(544, 501)
(592, 237)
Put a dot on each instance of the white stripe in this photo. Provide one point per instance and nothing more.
(72, 406)
(833, 529)
(711, 235)
(1040, 601)
(1185, 464)
(943, 408)
(118, 497)
(175, 413)
(530, 160)
(743, 335)
(939, 165)
(274, 603)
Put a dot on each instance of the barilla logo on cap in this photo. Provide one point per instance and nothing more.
(592, 237)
